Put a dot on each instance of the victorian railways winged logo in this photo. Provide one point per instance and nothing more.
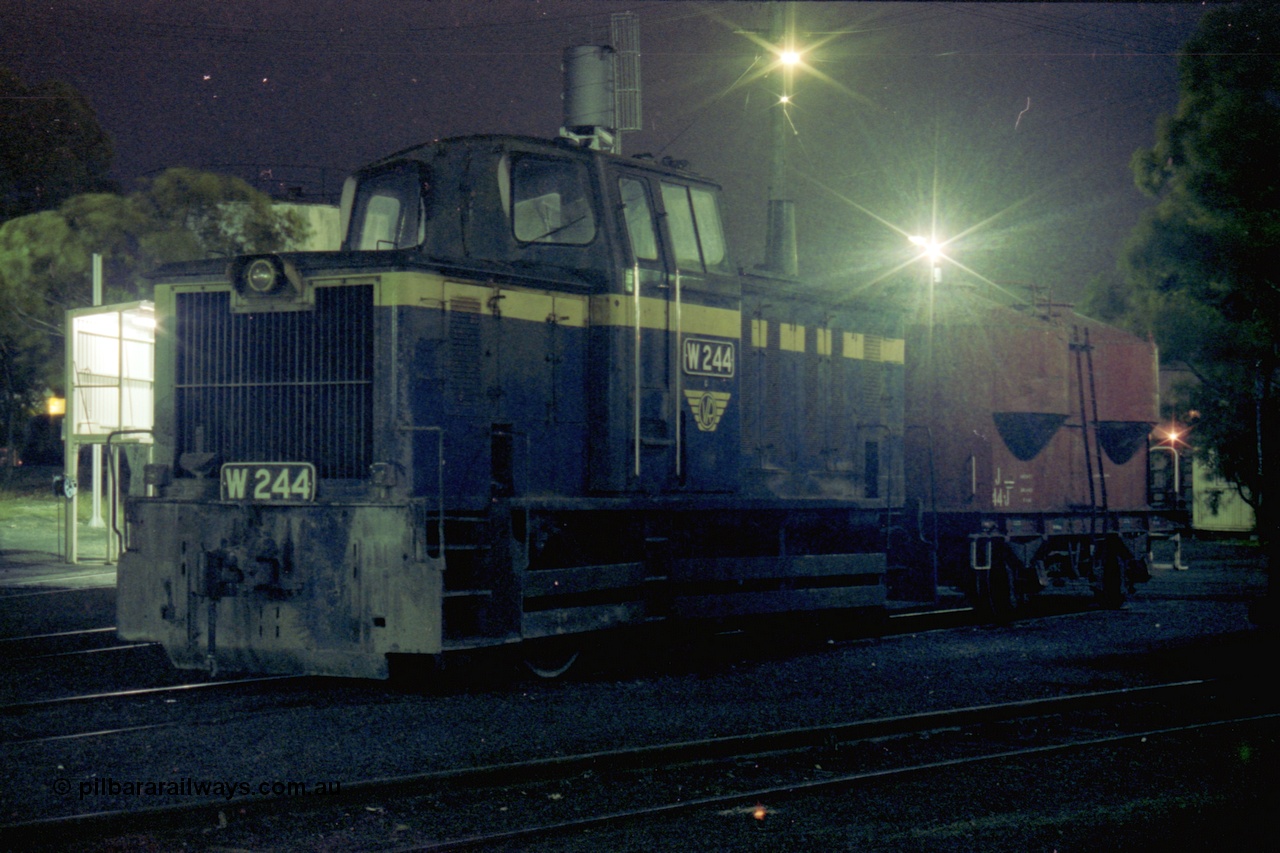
(708, 407)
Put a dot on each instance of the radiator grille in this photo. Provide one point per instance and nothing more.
(292, 386)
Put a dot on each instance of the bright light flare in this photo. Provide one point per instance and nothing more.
(932, 249)
(938, 251)
(790, 57)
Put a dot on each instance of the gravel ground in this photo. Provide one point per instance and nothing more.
(1184, 624)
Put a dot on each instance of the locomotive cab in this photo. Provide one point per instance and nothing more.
(527, 206)
(643, 242)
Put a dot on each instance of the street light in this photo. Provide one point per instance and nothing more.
(1172, 438)
(933, 251)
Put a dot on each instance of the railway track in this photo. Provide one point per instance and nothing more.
(547, 807)
(520, 804)
(62, 644)
(46, 720)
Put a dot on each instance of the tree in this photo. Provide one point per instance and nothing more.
(1204, 265)
(51, 147)
(46, 261)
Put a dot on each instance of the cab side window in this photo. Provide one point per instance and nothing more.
(551, 202)
(696, 233)
(389, 211)
(638, 214)
(710, 233)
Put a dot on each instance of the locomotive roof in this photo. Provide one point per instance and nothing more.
(559, 145)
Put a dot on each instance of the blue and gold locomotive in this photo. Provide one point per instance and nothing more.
(531, 397)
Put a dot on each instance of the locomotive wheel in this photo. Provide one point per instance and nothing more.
(550, 659)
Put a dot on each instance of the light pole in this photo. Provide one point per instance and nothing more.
(931, 251)
(1170, 443)
(781, 255)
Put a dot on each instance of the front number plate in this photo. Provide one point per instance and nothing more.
(270, 482)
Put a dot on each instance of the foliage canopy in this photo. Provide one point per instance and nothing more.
(1202, 268)
(51, 146)
(46, 257)
(58, 209)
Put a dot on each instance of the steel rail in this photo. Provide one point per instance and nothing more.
(791, 789)
(98, 733)
(4, 596)
(104, 824)
(82, 652)
(56, 635)
(141, 691)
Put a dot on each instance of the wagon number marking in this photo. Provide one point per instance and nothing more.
(268, 482)
(709, 358)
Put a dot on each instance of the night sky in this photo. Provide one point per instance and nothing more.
(1009, 125)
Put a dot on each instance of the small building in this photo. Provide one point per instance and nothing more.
(325, 225)
(1217, 506)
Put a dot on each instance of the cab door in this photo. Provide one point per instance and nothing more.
(651, 287)
(665, 342)
(704, 327)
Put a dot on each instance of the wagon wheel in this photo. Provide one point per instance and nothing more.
(996, 595)
(1110, 563)
(550, 658)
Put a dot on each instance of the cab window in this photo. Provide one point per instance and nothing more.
(696, 234)
(638, 214)
(710, 234)
(551, 202)
(388, 211)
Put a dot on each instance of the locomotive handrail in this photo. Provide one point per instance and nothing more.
(114, 484)
(635, 281)
(439, 480)
(677, 366)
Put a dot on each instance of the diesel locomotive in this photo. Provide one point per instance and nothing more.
(533, 397)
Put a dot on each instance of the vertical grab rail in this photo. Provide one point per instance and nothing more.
(1097, 445)
(113, 488)
(678, 365)
(1078, 347)
(439, 431)
(635, 277)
